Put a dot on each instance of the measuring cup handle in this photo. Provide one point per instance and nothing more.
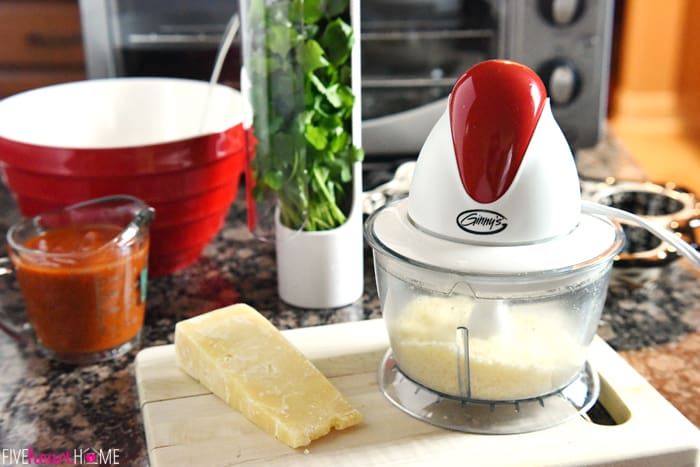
(16, 328)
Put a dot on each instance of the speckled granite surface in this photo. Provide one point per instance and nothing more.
(53, 407)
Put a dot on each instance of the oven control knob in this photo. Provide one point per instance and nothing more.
(561, 12)
(562, 79)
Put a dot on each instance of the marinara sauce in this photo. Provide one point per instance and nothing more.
(90, 295)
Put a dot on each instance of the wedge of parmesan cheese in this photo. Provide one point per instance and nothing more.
(242, 358)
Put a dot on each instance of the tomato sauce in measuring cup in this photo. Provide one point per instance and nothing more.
(83, 279)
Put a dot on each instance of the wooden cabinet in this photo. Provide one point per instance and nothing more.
(40, 44)
(656, 97)
(659, 62)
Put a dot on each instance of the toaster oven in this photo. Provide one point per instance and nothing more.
(412, 53)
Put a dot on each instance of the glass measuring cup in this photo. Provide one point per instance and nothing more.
(82, 271)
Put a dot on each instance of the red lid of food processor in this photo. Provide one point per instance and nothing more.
(495, 188)
(491, 129)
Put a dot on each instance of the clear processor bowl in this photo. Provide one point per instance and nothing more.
(487, 335)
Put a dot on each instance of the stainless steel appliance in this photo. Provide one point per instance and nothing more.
(412, 53)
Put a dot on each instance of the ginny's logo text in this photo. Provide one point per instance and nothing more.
(30, 456)
(482, 221)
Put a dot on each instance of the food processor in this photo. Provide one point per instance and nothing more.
(491, 278)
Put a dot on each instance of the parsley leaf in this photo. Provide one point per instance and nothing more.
(297, 54)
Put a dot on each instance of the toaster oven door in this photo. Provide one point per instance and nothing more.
(413, 51)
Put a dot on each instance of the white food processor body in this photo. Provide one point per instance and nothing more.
(491, 280)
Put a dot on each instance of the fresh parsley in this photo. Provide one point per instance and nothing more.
(299, 69)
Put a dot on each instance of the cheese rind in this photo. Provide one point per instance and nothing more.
(243, 359)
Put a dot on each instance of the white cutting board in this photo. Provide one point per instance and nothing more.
(187, 425)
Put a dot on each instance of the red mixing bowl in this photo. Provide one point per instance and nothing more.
(188, 234)
(120, 126)
(153, 188)
(176, 247)
(177, 144)
(167, 212)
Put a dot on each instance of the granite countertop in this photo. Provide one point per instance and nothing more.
(53, 407)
